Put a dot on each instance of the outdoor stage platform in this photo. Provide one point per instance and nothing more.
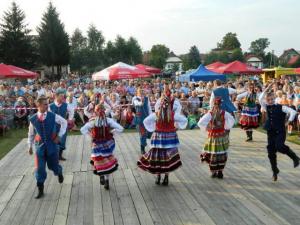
(245, 196)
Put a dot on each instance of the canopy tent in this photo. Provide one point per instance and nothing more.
(9, 71)
(215, 65)
(238, 67)
(297, 71)
(277, 72)
(149, 69)
(120, 71)
(203, 74)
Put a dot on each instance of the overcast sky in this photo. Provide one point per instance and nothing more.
(178, 24)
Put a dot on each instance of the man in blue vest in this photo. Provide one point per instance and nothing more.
(276, 129)
(62, 109)
(45, 137)
(224, 94)
(142, 110)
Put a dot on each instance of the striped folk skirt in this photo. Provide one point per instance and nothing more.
(215, 152)
(160, 160)
(102, 158)
(249, 118)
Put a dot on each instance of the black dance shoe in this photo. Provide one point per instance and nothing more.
(275, 175)
(40, 192)
(102, 180)
(106, 185)
(157, 181)
(296, 162)
(60, 178)
(165, 181)
(220, 175)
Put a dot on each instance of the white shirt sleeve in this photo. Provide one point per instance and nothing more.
(149, 107)
(292, 113)
(116, 126)
(232, 91)
(262, 101)
(157, 104)
(180, 120)
(211, 101)
(70, 110)
(149, 122)
(63, 125)
(241, 96)
(136, 101)
(30, 135)
(87, 112)
(177, 107)
(86, 128)
(204, 120)
(229, 121)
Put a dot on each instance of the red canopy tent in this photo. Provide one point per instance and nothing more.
(297, 71)
(215, 65)
(238, 67)
(120, 71)
(149, 69)
(9, 71)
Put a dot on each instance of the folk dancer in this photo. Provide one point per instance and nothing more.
(217, 122)
(61, 108)
(142, 110)
(44, 135)
(163, 157)
(101, 130)
(249, 114)
(276, 129)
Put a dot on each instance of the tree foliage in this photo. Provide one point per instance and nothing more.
(229, 42)
(78, 51)
(16, 45)
(158, 55)
(259, 46)
(53, 41)
(192, 60)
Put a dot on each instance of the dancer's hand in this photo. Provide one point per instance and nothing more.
(30, 152)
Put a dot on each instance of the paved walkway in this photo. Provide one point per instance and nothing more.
(245, 196)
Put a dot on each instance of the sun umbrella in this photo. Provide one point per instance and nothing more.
(120, 71)
(149, 69)
(9, 71)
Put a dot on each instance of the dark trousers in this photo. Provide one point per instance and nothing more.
(276, 143)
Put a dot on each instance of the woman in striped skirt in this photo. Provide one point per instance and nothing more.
(217, 122)
(101, 130)
(163, 157)
(250, 112)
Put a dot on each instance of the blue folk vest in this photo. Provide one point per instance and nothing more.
(226, 105)
(141, 112)
(45, 132)
(61, 110)
(275, 118)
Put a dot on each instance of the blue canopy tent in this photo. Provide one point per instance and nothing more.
(201, 73)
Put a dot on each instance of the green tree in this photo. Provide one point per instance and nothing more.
(95, 48)
(237, 54)
(53, 41)
(229, 42)
(158, 55)
(16, 45)
(134, 51)
(271, 60)
(109, 53)
(259, 46)
(78, 51)
(192, 60)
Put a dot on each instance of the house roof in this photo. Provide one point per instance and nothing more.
(173, 60)
(253, 56)
(285, 52)
(293, 60)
